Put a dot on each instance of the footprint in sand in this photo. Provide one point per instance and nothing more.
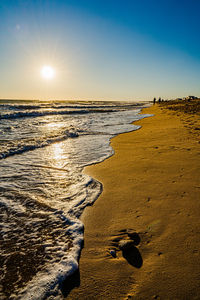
(126, 242)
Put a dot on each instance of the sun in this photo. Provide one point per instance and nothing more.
(47, 72)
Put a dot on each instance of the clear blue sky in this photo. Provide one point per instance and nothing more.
(100, 49)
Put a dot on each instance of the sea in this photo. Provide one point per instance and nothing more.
(44, 147)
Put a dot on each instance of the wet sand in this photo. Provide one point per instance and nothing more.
(151, 186)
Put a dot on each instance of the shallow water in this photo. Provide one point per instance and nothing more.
(43, 150)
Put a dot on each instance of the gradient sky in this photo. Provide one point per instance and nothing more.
(100, 49)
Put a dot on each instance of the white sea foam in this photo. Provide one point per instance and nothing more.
(46, 283)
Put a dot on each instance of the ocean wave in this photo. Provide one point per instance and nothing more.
(62, 105)
(33, 114)
(34, 144)
(42, 242)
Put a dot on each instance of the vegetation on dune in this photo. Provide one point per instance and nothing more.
(186, 106)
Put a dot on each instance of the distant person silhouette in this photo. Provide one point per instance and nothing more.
(154, 100)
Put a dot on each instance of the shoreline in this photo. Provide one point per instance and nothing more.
(150, 186)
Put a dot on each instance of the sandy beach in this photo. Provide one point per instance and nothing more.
(151, 187)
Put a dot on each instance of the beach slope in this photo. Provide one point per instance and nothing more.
(151, 186)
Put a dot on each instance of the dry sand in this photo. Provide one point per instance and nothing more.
(150, 185)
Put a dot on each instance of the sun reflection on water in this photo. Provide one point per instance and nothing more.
(57, 155)
(54, 125)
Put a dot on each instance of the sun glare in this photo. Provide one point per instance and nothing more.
(47, 72)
